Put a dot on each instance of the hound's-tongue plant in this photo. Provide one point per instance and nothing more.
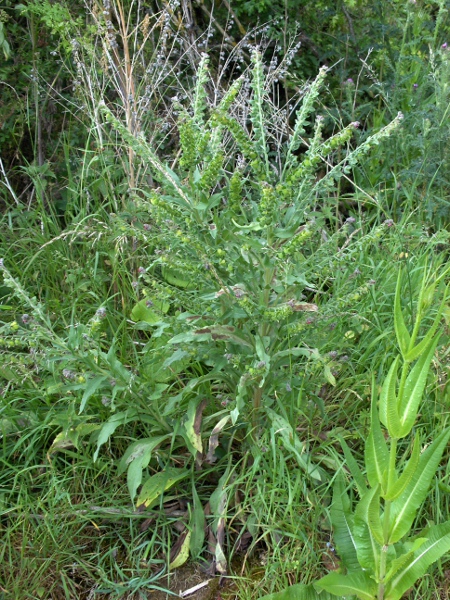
(379, 560)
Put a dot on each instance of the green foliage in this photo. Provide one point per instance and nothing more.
(380, 562)
(201, 255)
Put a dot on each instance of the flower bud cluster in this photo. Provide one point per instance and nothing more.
(235, 192)
(268, 206)
(295, 243)
(188, 140)
(210, 175)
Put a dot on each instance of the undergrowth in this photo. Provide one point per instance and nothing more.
(195, 302)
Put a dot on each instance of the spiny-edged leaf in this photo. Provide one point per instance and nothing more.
(292, 443)
(342, 521)
(408, 404)
(423, 344)
(115, 421)
(400, 484)
(437, 544)
(159, 483)
(353, 466)
(179, 552)
(403, 509)
(373, 515)
(403, 559)
(387, 395)
(401, 331)
(376, 452)
(298, 592)
(197, 525)
(368, 549)
(354, 584)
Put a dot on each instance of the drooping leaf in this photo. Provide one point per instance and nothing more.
(115, 421)
(404, 508)
(214, 439)
(136, 459)
(70, 437)
(91, 387)
(353, 584)
(192, 427)
(159, 483)
(179, 553)
(437, 544)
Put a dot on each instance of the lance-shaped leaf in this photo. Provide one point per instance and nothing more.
(368, 549)
(179, 552)
(423, 344)
(342, 521)
(401, 331)
(387, 395)
(408, 403)
(110, 426)
(376, 451)
(400, 484)
(198, 523)
(159, 483)
(404, 508)
(192, 428)
(394, 425)
(354, 584)
(437, 544)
